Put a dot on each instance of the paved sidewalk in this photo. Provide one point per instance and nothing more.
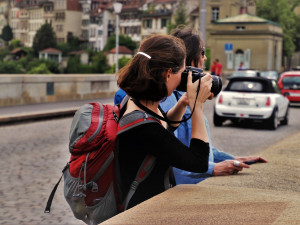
(269, 193)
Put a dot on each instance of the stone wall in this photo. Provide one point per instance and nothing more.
(30, 89)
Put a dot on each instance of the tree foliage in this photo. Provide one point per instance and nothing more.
(180, 17)
(7, 33)
(282, 12)
(123, 40)
(10, 67)
(44, 38)
(99, 63)
(40, 69)
(15, 43)
(122, 62)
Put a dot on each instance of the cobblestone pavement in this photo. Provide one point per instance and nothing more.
(32, 156)
(28, 175)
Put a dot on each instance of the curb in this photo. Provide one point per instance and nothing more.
(15, 118)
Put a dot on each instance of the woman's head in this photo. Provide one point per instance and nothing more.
(145, 78)
(195, 51)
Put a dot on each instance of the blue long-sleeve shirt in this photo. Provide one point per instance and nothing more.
(183, 133)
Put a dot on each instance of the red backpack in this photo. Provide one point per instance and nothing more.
(91, 178)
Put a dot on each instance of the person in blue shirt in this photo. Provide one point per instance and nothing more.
(220, 163)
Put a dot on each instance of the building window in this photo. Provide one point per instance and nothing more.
(59, 28)
(214, 13)
(60, 16)
(163, 23)
(240, 28)
(147, 23)
(85, 22)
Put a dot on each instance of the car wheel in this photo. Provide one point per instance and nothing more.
(272, 122)
(218, 120)
(285, 120)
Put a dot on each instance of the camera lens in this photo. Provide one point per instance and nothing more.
(196, 74)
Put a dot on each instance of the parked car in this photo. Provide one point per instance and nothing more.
(270, 74)
(252, 98)
(245, 73)
(289, 84)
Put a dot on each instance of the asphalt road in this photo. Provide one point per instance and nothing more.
(249, 138)
(33, 154)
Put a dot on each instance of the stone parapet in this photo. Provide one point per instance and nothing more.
(30, 89)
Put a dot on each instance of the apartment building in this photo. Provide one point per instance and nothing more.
(131, 19)
(101, 25)
(3, 13)
(67, 19)
(156, 16)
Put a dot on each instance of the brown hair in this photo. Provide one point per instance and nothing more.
(193, 43)
(143, 78)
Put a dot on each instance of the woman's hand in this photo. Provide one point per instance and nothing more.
(184, 100)
(204, 92)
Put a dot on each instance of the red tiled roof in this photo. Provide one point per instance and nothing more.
(122, 50)
(164, 1)
(16, 50)
(51, 50)
(73, 5)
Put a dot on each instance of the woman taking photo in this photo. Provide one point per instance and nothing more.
(151, 76)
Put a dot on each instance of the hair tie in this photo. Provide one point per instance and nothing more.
(144, 54)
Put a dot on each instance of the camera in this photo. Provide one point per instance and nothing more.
(197, 73)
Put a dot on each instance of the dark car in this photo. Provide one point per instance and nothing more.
(270, 74)
(245, 73)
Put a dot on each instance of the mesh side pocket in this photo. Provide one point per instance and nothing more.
(105, 209)
(77, 204)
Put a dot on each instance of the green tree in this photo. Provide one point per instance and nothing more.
(99, 63)
(16, 43)
(180, 17)
(44, 38)
(52, 66)
(123, 40)
(282, 12)
(4, 52)
(73, 65)
(122, 62)
(7, 34)
(40, 69)
(10, 67)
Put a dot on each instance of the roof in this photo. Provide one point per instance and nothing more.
(122, 50)
(292, 73)
(245, 18)
(73, 5)
(17, 50)
(51, 50)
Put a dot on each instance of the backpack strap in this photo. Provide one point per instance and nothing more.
(129, 121)
(143, 172)
(50, 199)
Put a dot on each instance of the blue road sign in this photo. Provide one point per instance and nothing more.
(228, 46)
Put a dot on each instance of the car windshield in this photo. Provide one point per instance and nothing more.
(291, 80)
(269, 74)
(244, 73)
(246, 86)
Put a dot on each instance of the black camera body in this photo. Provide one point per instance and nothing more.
(197, 73)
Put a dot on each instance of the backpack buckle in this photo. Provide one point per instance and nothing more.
(134, 185)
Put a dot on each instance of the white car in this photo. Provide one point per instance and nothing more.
(252, 98)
